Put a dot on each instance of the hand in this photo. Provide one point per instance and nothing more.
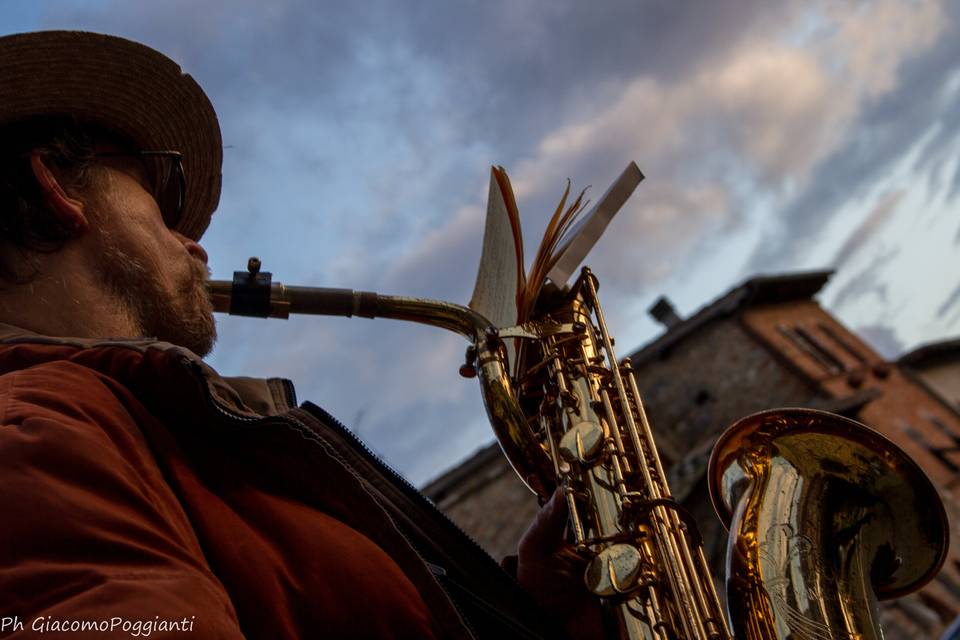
(552, 572)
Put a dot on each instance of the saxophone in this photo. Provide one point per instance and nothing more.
(810, 498)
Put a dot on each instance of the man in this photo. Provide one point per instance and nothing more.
(143, 494)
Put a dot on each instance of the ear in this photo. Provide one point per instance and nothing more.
(69, 211)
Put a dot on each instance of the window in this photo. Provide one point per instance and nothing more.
(813, 347)
(834, 335)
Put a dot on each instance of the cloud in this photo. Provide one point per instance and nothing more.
(240, 50)
(727, 85)
(865, 282)
(765, 119)
(670, 219)
(883, 339)
(955, 189)
(950, 304)
(862, 234)
(523, 66)
(755, 104)
(871, 39)
(890, 107)
(450, 254)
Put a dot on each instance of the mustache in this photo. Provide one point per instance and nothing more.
(199, 274)
(199, 269)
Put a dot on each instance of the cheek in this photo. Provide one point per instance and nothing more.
(127, 197)
(127, 217)
(146, 226)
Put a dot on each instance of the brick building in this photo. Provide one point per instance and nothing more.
(766, 343)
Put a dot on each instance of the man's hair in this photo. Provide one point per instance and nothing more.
(26, 223)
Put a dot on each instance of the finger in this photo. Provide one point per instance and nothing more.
(546, 532)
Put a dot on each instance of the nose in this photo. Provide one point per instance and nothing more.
(192, 247)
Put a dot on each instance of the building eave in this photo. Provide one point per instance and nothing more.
(759, 290)
(940, 352)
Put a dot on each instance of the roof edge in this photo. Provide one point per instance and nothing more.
(757, 290)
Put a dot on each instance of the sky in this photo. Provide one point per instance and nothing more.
(776, 136)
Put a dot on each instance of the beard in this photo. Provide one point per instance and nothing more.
(183, 317)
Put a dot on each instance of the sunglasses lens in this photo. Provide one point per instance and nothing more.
(169, 188)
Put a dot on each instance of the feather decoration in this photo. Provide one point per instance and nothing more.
(506, 190)
(562, 220)
(560, 223)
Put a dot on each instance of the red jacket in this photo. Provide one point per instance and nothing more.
(137, 487)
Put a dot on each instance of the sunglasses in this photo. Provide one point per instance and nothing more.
(165, 171)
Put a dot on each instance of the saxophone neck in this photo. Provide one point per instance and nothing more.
(256, 295)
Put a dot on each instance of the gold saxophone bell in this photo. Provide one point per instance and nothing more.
(826, 516)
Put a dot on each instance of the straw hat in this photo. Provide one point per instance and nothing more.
(122, 86)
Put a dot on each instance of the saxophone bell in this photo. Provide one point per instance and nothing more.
(826, 516)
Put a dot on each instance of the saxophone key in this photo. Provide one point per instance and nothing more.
(582, 442)
(614, 571)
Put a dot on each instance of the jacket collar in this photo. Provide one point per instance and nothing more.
(251, 397)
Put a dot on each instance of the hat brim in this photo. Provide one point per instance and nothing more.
(122, 86)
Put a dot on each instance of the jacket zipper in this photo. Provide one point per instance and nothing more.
(408, 489)
(411, 493)
(307, 433)
(405, 486)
